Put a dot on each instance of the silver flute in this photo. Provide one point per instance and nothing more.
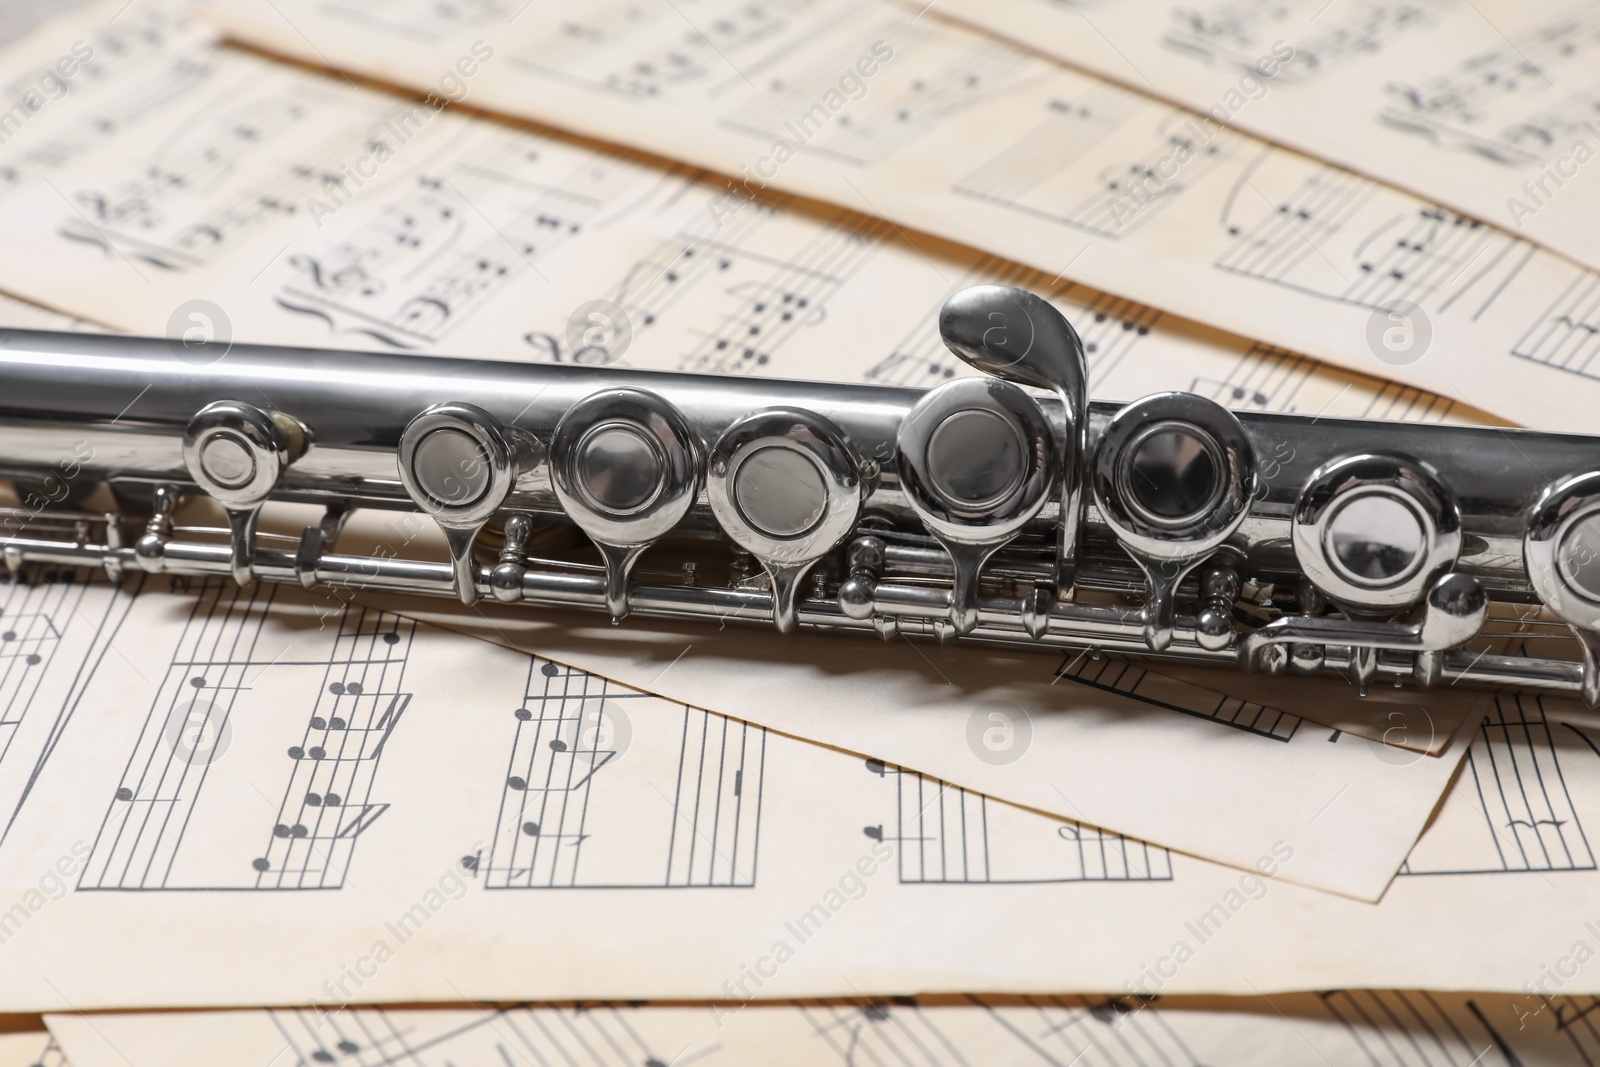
(1004, 507)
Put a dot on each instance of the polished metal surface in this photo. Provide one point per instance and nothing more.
(626, 468)
(654, 472)
(451, 467)
(1012, 334)
(977, 463)
(1373, 531)
(1454, 611)
(779, 492)
(1174, 471)
(618, 468)
(975, 459)
(1174, 474)
(1561, 546)
(225, 461)
(1579, 553)
(1376, 540)
(236, 453)
(1377, 551)
(786, 487)
(457, 464)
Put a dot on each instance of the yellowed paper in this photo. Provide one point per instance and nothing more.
(20, 315)
(1488, 107)
(31, 1050)
(1075, 735)
(948, 132)
(365, 809)
(476, 239)
(1349, 1028)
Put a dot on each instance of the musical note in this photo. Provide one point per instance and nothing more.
(946, 834)
(625, 50)
(1531, 826)
(1332, 235)
(327, 801)
(156, 217)
(1136, 173)
(1498, 105)
(1237, 33)
(575, 813)
(432, 258)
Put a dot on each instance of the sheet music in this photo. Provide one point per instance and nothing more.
(959, 135)
(478, 239)
(336, 806)
(1489, 107)
(1344, 1028)
(1067, 734)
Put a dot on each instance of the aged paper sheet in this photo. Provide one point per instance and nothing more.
(31, 1050)
(362, 808)
(948, 132)
(1491, 107)
(20, 315)
(1074, 734)
(223, 200)
(1348, 1028)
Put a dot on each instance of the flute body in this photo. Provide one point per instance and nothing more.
(1004, 507)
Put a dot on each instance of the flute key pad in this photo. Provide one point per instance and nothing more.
(1173, 477)
(977, 463)
(451, 467)
(236, 453)
(1372, 531)
(784, 484)
(780, 492)
(786, 487)
(619, 468)
(457, 464)
(625, 466)
(977, 460)
(1562, 549)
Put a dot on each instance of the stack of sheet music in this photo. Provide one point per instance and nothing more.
(385, 832)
